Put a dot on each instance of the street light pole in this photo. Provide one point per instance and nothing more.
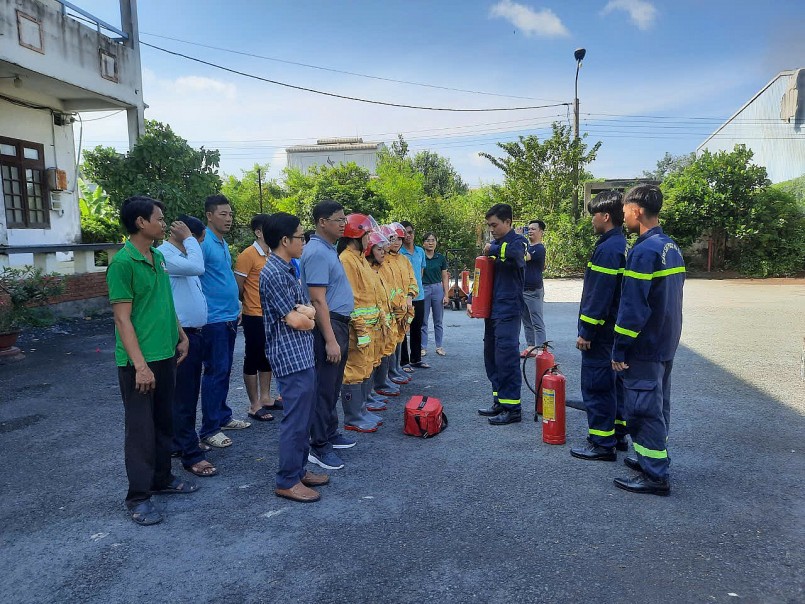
(579, 55)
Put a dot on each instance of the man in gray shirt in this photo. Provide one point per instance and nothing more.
(331, 295)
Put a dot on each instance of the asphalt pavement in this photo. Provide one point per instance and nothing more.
(477, 514)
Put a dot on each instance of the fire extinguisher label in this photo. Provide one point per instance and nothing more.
(548, 405)
(476, 283)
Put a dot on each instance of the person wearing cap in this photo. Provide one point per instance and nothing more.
(360, 359)
(331, 295)
(184, 263)
(289, 320)
(409, 289)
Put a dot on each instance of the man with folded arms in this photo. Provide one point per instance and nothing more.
(289, 321)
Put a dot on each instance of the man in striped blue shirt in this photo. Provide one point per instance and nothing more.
(289, 320)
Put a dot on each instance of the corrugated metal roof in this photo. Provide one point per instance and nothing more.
(788, 72)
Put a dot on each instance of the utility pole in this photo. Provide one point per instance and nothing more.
(260, 187)
(579, 55)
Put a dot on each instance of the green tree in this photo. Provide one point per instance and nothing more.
(670, 164)
(161, 165)
(439, 176)
(348, 184)
(539, 175)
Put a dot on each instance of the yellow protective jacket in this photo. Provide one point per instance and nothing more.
(363, 320)
(386, 274)
(407, 286)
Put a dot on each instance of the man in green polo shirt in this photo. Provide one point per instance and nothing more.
(149, 342)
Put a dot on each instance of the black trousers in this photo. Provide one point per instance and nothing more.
(324, 425)
(149, 430)
(415, 336)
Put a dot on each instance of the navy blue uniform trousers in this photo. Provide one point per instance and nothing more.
(502, 358)
(185, 400)
(647, 402)
(602, 392)
(298, 400)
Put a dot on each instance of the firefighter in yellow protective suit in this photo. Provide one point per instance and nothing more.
(387, 343)
(406, 285)
(362, 325)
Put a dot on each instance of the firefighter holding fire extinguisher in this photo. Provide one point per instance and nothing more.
(502, 327)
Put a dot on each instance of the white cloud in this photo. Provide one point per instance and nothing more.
(641, 12)
(542, 23)
(196, 84)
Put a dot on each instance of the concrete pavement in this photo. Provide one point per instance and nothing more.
(478, 514)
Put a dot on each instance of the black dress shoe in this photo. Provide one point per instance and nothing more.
(507, 416)
(643, 484)
(593, 452)
(492, 411)
(632, 463)
(622, 444)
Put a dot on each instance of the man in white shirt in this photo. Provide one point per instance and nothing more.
(185, 262)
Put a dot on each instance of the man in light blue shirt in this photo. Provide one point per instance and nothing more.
(415, 255)
(221, 292)
(184, 263)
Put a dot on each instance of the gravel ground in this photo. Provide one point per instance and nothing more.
(478, 514)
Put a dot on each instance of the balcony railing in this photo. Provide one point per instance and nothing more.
(99, 24)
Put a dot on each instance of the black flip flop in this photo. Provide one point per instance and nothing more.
(262, 415)
(420, 365)
(145, 514)
(178, 487)
(275, 406)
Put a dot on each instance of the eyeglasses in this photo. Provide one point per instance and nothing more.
(342, 220)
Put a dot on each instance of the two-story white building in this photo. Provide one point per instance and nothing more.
(57, 60)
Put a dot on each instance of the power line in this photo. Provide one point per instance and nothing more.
(347, 97)
(352, 73)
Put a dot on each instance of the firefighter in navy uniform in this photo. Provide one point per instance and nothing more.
(600, 385)
(647, 333)
(502, 329)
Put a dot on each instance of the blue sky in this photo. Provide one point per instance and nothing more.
(686, 65)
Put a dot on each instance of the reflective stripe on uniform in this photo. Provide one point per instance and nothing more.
(509, 401)
(602, 432)
(620, 422)
(503, 251)
(364, 340)
(626, 332)
(592, 321)
(654, 275)
(604, 269)
(653, 453)
(494, 394)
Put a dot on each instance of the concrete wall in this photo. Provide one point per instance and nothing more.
(777, 145)
(71, 54)
(35, 125)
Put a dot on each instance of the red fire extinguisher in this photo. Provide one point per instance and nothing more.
(553, 407)
(482, 287)
(545, 362)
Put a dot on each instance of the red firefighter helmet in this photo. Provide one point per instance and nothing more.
(398, 228)
(389, 232)
(375, 238)
(357, 226)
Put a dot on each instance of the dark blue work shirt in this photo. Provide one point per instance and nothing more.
(601, 294)
(649, 322)
(535, 266)
(507, 289)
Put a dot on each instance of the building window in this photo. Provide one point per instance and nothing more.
(25, 193)
(29, 32)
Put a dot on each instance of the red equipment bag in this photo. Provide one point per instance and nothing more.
(424, 416)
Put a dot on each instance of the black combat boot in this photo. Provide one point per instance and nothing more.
(510, 414)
